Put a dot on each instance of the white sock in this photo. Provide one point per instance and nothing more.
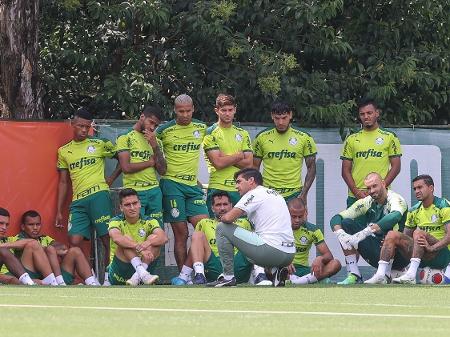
(26, 279)
(228, 277)
(91, 281)
(185, 273)
(50, 280)
(145, 265)
(352, 264)
(60, 280)
(306, 279)
(413, 266)
(258, 270)
(382, 267)
(447, 271)
(136, 261)
(199, 268)
(389, 268)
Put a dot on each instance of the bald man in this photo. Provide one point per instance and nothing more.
(305, 234)
(362, 227)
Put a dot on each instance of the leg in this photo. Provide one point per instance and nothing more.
(180, 233)
(52, 256)
(12, 263)
(34, 258)
(200, 253)
(105, 241)
(75, 261)
(329, 269)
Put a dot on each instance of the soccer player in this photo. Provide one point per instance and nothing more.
(31, 254)
(372, 149)
(8, 262)
(182, 197)
(228, 149)
(135, 242)
(203, 256)
(426, 238)
(72, 259)
(141, 159)
(271, 245)
(362, 227)
(82, 162)
(282, 149)
(305, 235)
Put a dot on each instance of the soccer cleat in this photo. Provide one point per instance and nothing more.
(378, 279)
(404, 279)
(280, 276)
(134, 280)
(351, 279)
(261, 280)
(221, 282)
(106, 283)
(148, 278)
(178, 281)
(446, 280)
(199, 278)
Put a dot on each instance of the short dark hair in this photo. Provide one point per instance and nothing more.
(280, 108)
(126, 192)
(220, 194)
(84, 113)
(426, 179)
(224, 99)
(365, 102)
(153, 110)
(4, 212)
(31, 213)
(248, 173)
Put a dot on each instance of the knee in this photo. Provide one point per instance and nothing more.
(34, 245)
(50, 251)
(75, 241)
(392, 236)
(75, 251)
(417, 234)
(197, 236)
(4, 252)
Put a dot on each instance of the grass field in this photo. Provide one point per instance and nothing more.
(322, 310)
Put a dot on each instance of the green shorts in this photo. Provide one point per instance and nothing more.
(234, 195)
(34, 274)
(68, 277)
(370, 247)
(120, 272)
(242, 268)
(94, 210)
(181, 201)
(301, 270)
(292, 196)
(151, 202)
(440, 261)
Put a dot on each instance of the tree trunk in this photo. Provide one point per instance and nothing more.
(20, 87)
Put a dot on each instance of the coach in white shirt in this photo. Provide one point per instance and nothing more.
(271, 245)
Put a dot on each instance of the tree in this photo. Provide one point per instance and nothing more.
(20, 87)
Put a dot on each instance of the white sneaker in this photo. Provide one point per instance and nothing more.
(106, 283)
(148, 278)
(377, 279)
(404, 279)
(134, 280)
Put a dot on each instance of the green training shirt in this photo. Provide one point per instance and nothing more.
(432, 220)
(140, 151)
(138, 231)
(370, 151)
(282, 157)
(181, 146)
(208, 226)
(305, 236)
(85, 162)
(228, 141)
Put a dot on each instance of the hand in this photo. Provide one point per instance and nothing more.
(59, 221)
(291, 269)
(151, 138)
(317, 267)
(422, 241)
(109, 180)
(356, 238)
(148, 256)
(361, 194)
(343, 238)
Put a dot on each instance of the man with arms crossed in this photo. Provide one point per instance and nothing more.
(135, 242)
(271, 245)
(82, 161)
(370, 150)
(305, 235)
(362, 227)
(203, 256)
(228, 149)
(282, 149)
(182, 197)
(426, 236)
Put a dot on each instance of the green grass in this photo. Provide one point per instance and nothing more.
(244, 311)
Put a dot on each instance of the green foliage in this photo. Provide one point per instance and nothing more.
(321, 56)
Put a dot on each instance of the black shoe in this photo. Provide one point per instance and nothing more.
(262, 280)
(199, 278)
(280, 276)
(221, 282)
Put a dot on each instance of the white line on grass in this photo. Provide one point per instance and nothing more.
(261, 312)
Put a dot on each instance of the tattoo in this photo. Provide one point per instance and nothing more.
(310, 174)
(387, 252)
(160, 161)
